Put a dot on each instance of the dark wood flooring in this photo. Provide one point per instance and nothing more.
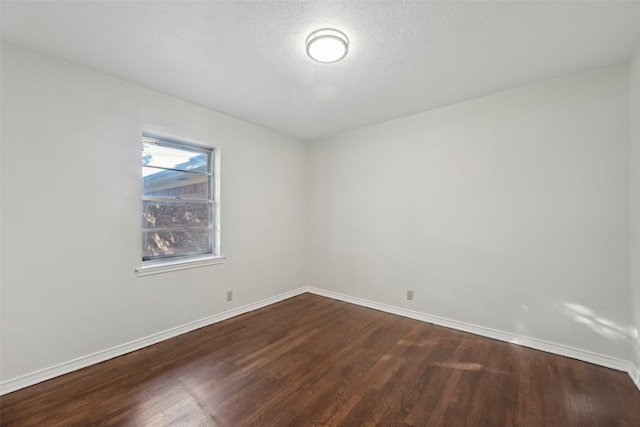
(314, 361)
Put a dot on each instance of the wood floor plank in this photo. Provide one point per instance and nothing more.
(314, 361)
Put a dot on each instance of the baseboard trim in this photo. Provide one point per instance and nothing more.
(634, 373)
(45, 374)
(534, 343)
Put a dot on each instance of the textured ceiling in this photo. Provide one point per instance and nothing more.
(248, 60)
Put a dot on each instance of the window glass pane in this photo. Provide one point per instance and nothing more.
(175, 215)
(177, 199)
(161, 156)
(169, 183)
(158, 244)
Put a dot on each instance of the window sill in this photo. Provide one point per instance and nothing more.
(167, 266)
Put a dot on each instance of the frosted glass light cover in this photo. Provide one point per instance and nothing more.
(327, 45)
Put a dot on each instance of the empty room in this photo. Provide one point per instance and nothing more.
(320, 213)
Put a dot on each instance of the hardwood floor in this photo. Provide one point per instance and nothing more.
(314, 361)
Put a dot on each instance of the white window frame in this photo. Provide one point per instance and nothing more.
(163, 265)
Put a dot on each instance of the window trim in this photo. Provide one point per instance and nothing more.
(163, 265)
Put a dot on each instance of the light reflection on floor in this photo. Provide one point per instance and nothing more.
(174, 402)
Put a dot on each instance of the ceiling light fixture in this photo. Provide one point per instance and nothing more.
(327, 45)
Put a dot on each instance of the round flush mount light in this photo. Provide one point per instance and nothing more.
(327, 45)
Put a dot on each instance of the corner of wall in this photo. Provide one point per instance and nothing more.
(634, 196)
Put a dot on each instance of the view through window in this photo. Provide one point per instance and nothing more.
(177, 199)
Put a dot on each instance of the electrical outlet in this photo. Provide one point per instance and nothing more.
(410, 295)
(229, 295)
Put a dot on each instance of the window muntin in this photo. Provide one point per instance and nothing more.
(177, 200)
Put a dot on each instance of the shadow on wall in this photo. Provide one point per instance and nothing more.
(600, 325)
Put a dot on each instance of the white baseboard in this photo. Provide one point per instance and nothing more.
(63, 368)
(535, 343)
(41, 375)
(634, 373)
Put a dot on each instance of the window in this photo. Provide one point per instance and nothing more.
(179, 207)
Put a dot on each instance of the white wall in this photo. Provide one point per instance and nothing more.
(71, 213)
(635, 204)
(509, 212)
